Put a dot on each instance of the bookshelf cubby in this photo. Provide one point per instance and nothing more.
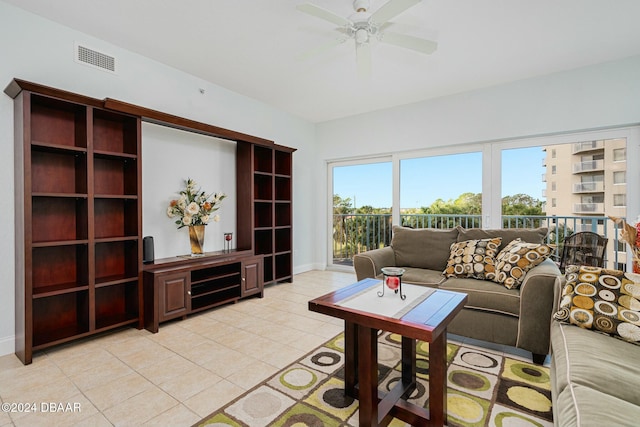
(117, 305)
(58, 171)
(115, 217)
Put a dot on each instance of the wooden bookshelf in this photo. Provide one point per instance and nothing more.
(78, 219)
(265, 183)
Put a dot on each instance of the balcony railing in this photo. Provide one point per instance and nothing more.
(589, 208)
(356, 233)
(579, 147)
(589, 187)
(588, 166)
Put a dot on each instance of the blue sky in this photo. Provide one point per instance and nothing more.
(424, 180)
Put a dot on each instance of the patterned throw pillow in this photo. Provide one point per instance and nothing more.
(516, 259)
(602, 300)
(473, 258)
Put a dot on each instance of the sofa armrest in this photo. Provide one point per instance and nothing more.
(539, 294)
(370, 263)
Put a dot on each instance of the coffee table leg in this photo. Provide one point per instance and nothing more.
(368, 375)
(350, 358)
(438, 380)
(408, 363)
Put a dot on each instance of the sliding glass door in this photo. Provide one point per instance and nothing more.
(361, 208)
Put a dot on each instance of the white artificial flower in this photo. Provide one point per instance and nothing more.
(204, 219)
(216, 218)
(182, 201)
(170, 213)
(193, 208)
(186, 220)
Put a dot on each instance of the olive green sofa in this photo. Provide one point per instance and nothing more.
(518, 317)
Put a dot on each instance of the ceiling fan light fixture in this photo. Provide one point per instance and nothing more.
(362, 35)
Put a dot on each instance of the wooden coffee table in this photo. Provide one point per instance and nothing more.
(423, 315)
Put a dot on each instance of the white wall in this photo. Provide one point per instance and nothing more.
(170, 156)
(592, 97)
(37, 50)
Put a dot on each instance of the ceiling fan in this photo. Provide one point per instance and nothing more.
(363, 27)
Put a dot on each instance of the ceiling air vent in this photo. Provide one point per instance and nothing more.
(93, 58)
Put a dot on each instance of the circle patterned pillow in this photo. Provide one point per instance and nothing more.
(516, 259)
(602, 300)
(473, 258)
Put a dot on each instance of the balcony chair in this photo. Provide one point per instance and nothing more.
(584, 248)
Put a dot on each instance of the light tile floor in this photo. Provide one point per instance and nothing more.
(181, 374)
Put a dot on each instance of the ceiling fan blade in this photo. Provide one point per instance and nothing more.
(320, 48)
(363, 60)
(321, 13)
(391, 9)
(409, 42)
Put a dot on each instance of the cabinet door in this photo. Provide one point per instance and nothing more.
(252, 277)
(173, 295)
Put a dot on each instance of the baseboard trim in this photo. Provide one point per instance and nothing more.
(7, 345)
(307, 267)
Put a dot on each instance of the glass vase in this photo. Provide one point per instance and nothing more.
(196, 238)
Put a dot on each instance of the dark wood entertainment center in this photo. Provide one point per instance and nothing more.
(78, 221)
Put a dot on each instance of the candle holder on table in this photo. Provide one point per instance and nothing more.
(392, 279)
(227, 241)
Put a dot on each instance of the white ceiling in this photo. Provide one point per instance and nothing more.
(249, 46)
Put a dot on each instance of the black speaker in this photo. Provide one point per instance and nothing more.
(147, 250)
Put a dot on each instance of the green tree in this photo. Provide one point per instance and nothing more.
(521, 204)
(342, 206)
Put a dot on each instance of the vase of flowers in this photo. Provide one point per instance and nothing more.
(195, 209)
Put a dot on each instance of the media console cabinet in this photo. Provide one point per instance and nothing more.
(176, 287)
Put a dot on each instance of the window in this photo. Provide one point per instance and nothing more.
(619, 177)
(430, 185)
(572, 187)
(619, 200)
(622, 246)
(619, 154)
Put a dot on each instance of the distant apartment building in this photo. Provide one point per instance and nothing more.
(587, 180)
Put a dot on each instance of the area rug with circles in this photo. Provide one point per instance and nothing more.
(484, 389)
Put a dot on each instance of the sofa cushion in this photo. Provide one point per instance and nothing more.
(486, 295)
(516, 259)
(586, 407)
(422, 248)
(530, 235)
(606, 301)
(473, 258)
(596, 361)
